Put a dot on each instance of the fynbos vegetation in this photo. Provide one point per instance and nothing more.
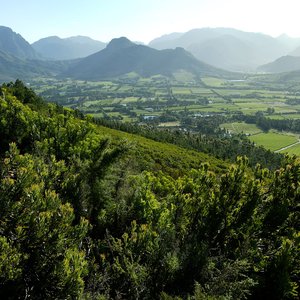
(83, 215)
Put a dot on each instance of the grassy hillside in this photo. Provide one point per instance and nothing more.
(159, 156)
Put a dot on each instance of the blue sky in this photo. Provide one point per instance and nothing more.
(143, 20)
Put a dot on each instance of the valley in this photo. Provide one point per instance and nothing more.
(150, 172)
(186, 102)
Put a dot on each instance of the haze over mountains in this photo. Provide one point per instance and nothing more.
(55, 48)
(229, 48)
(199, 51)
(286, 63)
(122, 56)
(296, 52)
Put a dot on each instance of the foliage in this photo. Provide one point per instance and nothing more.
(37, 231)
(79, 220)
(221, 145)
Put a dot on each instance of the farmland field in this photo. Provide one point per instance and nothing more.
(182, 93)
(183, 101)
(294, 150)
(241, 127)
(273, 141)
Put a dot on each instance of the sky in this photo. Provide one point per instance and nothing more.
(144, 20)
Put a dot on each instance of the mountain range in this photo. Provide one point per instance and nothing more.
(55, 48)
(199, 51)
(122, 56)
(229, 48)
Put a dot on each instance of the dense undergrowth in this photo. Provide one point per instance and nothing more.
(88, 212)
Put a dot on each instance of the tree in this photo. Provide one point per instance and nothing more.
(37, 230)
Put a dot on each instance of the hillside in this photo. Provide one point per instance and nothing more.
(239, 50)
(121, 56)
(14, 44)
(19, 60)
(12, 68)
(227, 52)
(101, 214)
(296, 52)
(55, 48)
(291, 42)
(283, 64)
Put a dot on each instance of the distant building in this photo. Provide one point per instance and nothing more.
(149, 109)
(149, 117)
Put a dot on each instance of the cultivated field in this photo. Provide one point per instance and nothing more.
(171, 102)
(241, 127)
(273, 141)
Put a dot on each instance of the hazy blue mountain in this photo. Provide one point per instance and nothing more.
(14, 44)
(228, 48)
(295, 52)
(160, 42)
(283, 64)
(227, 52)
(56, 48)
(121, 56)
(291, 43)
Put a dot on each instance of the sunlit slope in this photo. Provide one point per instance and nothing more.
(148, 154)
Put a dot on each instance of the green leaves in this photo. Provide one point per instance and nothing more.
(37, 234)
(10, 258)
(77, 219)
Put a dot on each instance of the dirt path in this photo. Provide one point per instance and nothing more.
(289, 146)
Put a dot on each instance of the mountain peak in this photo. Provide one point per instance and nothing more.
(80, 39)
(120, 43)
(51, 38)
(56, 48)
(14, 44)
(122, 56)
(180, 49)
(6, 29)
(283, 36)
